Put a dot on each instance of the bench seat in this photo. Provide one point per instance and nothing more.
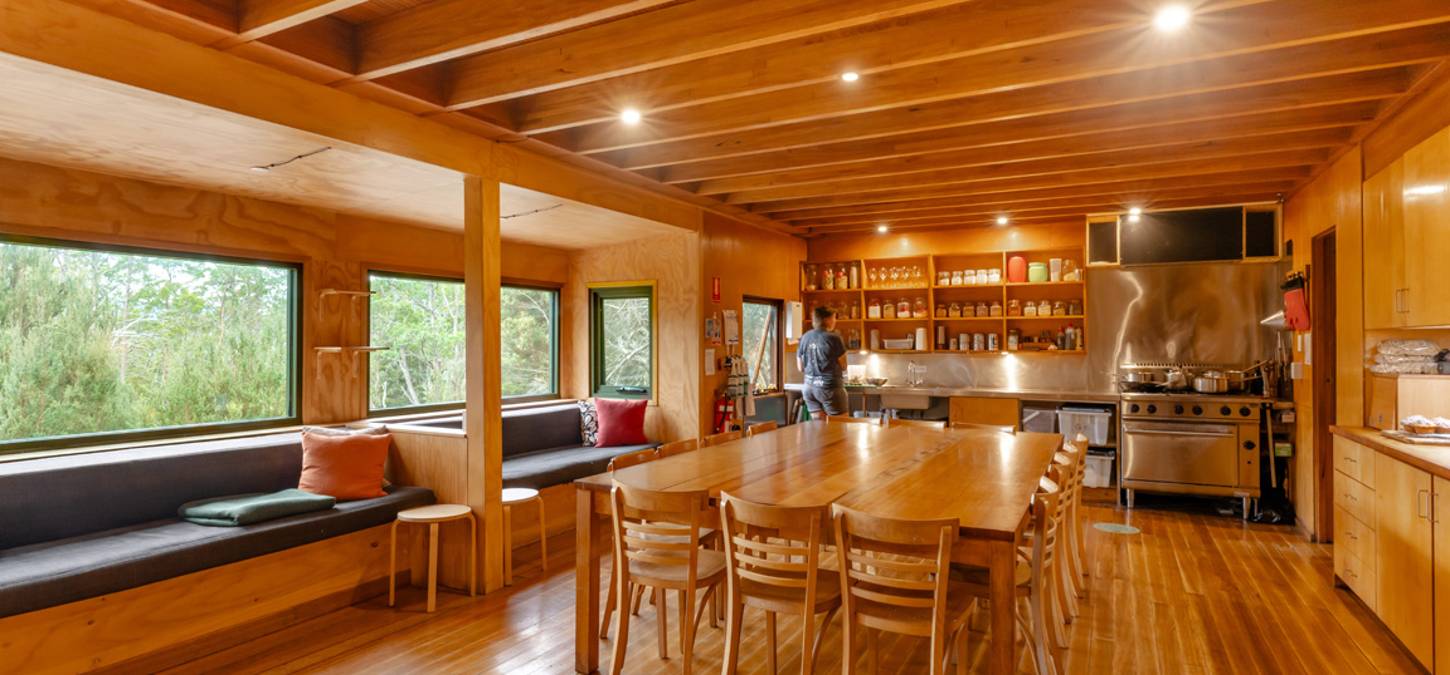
(559, 466)
(65, 570)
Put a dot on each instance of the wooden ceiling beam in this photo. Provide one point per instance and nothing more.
(1418, 45)
(1052, 215)
(1244, 162)
(673, 34)
(1277, 107)
(1137, 189)
(450, 29)
(1005, 170)
(257, 19)
(928, 37)
(1333, 121)
(1113, 201)
(1247, 32)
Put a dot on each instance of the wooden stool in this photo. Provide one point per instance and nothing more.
(512, 496)
(432, 516)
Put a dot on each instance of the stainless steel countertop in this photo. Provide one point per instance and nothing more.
(949, 391)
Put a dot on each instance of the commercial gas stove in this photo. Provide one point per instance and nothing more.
(1184, 442)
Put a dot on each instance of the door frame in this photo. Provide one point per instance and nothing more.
(1323, 288)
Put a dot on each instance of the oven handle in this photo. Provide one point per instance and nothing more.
(1159, 431)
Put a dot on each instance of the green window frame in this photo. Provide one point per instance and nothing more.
(610, 301)
(772, 330)
(292, 396)
(552, 391)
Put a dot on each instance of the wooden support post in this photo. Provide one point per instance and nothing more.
(484, 382)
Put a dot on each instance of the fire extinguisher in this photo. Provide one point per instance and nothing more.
(724, 408)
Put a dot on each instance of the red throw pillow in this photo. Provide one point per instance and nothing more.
(621, 422)
(344, 467)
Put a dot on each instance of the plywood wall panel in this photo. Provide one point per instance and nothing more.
(961, 240)
(748, 261)
(673, 262)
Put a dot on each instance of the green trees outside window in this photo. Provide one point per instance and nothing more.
(422, 322)
(109, 344)
(622, 341)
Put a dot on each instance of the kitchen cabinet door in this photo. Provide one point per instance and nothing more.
(1403, 557)
(1426, 197)
(1442, 575)
(1384, 249)
(1004, 412)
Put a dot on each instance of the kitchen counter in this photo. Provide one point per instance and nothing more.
(1432, 458)
(948, 392)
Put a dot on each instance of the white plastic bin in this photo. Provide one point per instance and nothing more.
(1099, 472)
(1090, 422)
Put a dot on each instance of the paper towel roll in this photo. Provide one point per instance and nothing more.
(875, 339)
(921, 340)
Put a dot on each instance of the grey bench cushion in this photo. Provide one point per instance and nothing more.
(52, 573)
(558, 466)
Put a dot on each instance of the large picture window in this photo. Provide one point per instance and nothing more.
(760, 343)
(422, 322)
(106, 344)
(622, 340)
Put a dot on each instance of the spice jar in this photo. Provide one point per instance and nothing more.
(888, 310)
(811, 277)
(956, 278)
(1059, 308)
(1044, 308)
(873, 310)
(996, 309)
(1014, 339)
(1074, 308)
(992, 342)
(955, 311)
(1030, 309)
(918, 309)
(941, 311)
(903, 309)
(994, 276)
(943, 278)
(1014, 307)
(982, 309)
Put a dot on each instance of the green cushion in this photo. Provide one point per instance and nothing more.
(236, 510)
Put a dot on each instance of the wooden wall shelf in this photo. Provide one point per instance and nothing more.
(857, 297)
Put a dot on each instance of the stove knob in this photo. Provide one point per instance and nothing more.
(1178, 410)
(1225, 411)
(1152, 409)
(1244, 411)
(1134, 409)
(1198, 410)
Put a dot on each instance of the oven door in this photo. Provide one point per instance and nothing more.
(1199, 453)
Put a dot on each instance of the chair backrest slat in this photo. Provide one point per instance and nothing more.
(772, 545)
(763, 427)
(632, 459)
(677, 448)
(723, 437)
(902, 563)
(660, 528)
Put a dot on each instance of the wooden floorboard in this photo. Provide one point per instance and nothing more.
(1195, 592)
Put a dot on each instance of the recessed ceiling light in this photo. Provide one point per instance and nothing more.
(850, 76)
(1002, 220)
(1135, 211)
(883, 228)
(1172, 18)
(1422, 190)
(630, 116)
(1133, 218)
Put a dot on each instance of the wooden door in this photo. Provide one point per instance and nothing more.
(1442, 575)
(1426, 196)
(1404, 555)
(1384, 249)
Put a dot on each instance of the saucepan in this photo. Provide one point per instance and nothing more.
(1211, 382)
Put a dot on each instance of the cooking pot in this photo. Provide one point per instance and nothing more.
(1176, 379)
(1145, 377)
(1211, 382)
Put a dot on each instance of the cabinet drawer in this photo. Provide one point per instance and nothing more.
(1358, 576)
(1355, 537)
(1354, 460)
(1354, 497)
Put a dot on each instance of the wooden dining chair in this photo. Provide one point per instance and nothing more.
(677, 448)
(722, 437)
(632, 459)
(926, 424)
(1036, 576)
(763, 427)
(1077, 547)
(772, 556)
(657, 545)
(853, 420)
(895, 578)
(1004, 428)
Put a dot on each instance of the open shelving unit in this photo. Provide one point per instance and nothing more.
(920, 277)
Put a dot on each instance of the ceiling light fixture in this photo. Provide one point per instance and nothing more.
(1133, 218)
(1424, 190)
(1135, 211)
(883, 228)
(630, 116)
(1002, 220)
(1172, 18)
(850, 76)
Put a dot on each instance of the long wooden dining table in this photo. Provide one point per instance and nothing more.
(985, 479)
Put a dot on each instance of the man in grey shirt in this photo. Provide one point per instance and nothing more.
(822, 361)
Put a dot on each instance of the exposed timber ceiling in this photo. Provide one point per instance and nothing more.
(963, 110)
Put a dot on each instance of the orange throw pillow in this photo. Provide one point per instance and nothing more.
(344, 467)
